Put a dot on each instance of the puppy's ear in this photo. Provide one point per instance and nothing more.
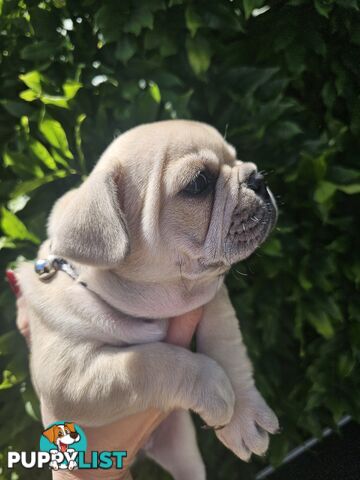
(70, 426)
(51, 433)
(87, 224)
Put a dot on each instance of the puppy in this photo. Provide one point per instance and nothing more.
(62, 436)
(150, 234)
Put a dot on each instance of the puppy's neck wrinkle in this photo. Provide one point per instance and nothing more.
(149, 300)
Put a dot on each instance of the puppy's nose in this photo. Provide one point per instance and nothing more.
(256, 182)
(73, 435)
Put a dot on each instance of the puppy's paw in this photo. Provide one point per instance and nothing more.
(54, 465)
(214, 394)
(72, 465)
(247, 433)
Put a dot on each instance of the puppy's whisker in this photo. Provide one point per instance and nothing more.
(240, 273)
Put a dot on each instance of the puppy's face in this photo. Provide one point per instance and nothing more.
(167, 199)
(62, 435)
(216, 209)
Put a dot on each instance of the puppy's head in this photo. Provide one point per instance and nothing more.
(62, 435)
(166, 199)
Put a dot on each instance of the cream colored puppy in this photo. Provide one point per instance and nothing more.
(151, 234)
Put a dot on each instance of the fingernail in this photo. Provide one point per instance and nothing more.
(11, 278)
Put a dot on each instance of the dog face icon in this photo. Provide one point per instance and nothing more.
(62, 435)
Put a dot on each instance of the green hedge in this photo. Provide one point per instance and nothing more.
(281, 79)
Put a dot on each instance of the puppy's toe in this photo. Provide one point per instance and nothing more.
(215, 397)
(266, 419)
(256, 439)
(233, 440)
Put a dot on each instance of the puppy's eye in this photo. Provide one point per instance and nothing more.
(202, 182)
(60, 434)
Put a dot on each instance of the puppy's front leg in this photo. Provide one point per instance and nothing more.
(106, 383)
(219, 337)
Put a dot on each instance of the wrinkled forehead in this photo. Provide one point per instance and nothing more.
(186, 138)
(147, 146)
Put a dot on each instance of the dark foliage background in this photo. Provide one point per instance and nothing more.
(281, 79)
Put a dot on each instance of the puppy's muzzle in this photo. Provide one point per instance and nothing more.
(256, 183)
(253, 217)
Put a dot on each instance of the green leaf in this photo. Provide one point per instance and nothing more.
(30, 185)
(155, 91)
(18, 203)
(78, 142)
(32, 80)
(8, 381)
(139, 18)
(350, 189)
(22, 164)
(346, 364)
(199, 54)
(305, 283)
(17, 109)
(56, 100)
(31, 403)
(342, 174)
(322, 324)
(125, 49)
(14, 228)
(42, 154)
(250, 5)
(39, 50)
(55, 135)
(5, 242)
(337, 406)
(349, 4)
(59, 159)
(323, 7)
(287, 130)
(193, 20)
(324, 191)
(70, 88)
(28, 95)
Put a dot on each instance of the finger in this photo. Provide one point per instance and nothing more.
(11, 278)
(22, 320)
(182, 328)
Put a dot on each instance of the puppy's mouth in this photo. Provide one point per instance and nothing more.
(63, 447)
(249, 228)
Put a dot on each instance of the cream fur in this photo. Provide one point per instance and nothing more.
(147, 252)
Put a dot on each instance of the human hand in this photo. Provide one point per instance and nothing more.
(130, 433)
